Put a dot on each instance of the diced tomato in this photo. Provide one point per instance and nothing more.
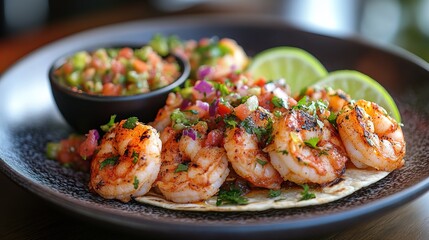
(88, 146)
(67, 68)
(214, 138)
(223, 109)
(126, 53)
(291, 102)
(110, 89)
(68, 153)
(154, 59)
(265, 100)
(140, 66)
(242, 111)
(96, 63)
(118, 67)
(260, 82)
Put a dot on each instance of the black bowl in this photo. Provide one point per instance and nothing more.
(85, 111)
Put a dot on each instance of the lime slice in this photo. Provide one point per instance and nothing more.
(298, 67)
(361, 86)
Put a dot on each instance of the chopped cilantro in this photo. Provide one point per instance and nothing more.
(260, 161)
(248, 125)
(193, 111)
(181, 168)
(181, 120)
(333, 118)
(136, 182)
(130, 123)
(263, 133)
(284, 152)
(233, 196)
(106, 127)
(311, 106)
(222, 88)
(244, 99)
(312, 142)
(230, 121)
(135, 156)
(305, 194)
(274, 193)
(109, 161)
(278, 102)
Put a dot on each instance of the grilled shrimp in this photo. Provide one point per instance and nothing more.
(127, 162)
(162, 120)
(306, 149)
(247, 157)
(371, 137)
(190, 171)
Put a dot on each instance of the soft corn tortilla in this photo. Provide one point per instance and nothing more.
(352, 180)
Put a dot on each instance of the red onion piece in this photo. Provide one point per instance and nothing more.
(204, 87)
(204, 71)
(202, 105)
(213, 108)
(185, 103)
(190, 133)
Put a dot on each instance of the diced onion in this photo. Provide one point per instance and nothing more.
(204, 87)
(213, 108)
(202, 105)
(185, 103)
(190, 133)
(204, 71)
(95, 133)
(252, 103)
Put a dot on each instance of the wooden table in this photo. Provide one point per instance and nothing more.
(26, 216)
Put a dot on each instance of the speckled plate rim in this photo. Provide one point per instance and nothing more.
(147, 224)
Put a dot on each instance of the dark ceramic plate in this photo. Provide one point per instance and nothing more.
(29, 119)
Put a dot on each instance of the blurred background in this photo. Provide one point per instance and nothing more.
(28, 24)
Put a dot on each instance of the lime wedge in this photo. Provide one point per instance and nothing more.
(298, 67)
(361, 86)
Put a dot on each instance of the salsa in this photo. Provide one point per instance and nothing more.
(117, 71)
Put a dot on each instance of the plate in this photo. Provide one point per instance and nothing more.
(29, 119)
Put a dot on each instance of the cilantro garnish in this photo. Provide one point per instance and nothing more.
(181, 168)
(135, 156)
(274, 193)
(277, 113)
(333, 118)
(260, 161)
(181, 120)
(222, 88)
(284, 152)
(106, 127)
(305, 194)
(136, 182)
(109, 161)
(278, 102)
(193, 111)
(130, 123)
(312, 142)
(233, 196)
(231, 121)
(262, 133)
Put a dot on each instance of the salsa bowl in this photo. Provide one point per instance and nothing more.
(84, 111)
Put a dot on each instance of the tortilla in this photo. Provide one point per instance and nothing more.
(258, 200)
